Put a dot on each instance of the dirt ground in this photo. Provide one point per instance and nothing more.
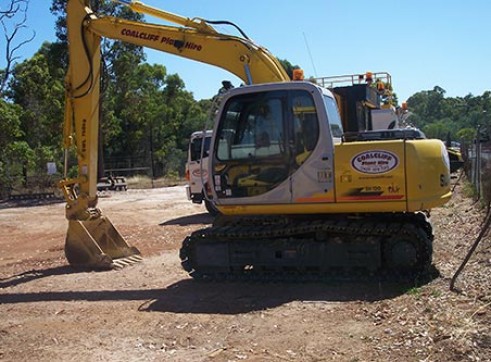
(152, 311)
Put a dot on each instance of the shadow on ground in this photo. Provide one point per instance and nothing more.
(196, 219)
(190, 296)
(31, 275)
(10, 204)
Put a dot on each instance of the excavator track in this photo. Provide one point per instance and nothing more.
(299, 248)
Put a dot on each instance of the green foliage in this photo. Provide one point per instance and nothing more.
(16, 160)
(9, 123)
(19, 155)
(466, 135)
(439, 116)
(9, 138)
(289, 67)
(415, 292)
(40, 94)
(34, 117)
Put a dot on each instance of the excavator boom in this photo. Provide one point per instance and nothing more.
(92, 240)
(248, 61)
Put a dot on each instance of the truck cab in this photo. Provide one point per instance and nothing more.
(196, 168)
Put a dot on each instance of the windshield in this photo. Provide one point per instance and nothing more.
(252, 127)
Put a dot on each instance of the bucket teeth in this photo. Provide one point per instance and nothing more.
(122, 262)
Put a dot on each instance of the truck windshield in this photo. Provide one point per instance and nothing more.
(195, 147)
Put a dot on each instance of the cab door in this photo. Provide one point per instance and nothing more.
(252, 160)
(313, 147)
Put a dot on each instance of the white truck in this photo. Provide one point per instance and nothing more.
(196, 168)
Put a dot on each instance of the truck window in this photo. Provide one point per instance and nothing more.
(195, 148)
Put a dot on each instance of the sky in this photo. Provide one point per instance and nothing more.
(422, 44)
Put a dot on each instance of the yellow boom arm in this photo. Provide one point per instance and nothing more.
(92, 240)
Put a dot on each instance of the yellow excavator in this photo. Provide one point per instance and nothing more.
(297, 197)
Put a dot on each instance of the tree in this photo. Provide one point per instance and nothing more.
(466, 135)
(289, 67)
(180, 117)
(9, 123)
(459, 117)
(438, 129)
(15, 154)
(40, 93)
(13, 18)
(36, 87)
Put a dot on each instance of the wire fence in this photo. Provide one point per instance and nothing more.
(22, 182)
(477, 167)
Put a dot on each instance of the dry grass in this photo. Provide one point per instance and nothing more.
(145, 182)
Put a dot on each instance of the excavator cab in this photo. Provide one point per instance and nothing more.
(267, 146)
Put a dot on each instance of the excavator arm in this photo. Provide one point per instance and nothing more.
(195, 40)
(92, 241)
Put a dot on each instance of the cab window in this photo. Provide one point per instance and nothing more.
(305, 126)
(251, 128)
(333, 117)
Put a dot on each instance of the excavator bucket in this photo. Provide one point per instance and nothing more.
(96, 244)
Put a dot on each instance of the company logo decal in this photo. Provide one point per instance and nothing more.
(375, 162)
(156, 38)
(197, 173)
